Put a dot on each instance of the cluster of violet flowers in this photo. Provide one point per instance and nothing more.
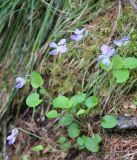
(108, 52)
(61, 46)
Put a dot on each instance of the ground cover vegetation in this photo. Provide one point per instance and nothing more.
(68, 68)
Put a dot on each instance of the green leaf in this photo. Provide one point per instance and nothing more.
(66, 146)
(36, 80)
(66, 120)
(77, 99)
(130, 62)
(105, 67)
(44, 92)
(91, 101)
(121, 75)
(109, 121)
(91, 145)
(97, 138)
(37, 148)
(62, 140)
(52, 114)
(73, 130)
(25, 157)
(61, 102)
(80, 141)
(135, 102)
(81, 111)
(33, 100)
(117, 61)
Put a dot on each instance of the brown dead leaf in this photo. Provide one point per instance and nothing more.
(129, 105)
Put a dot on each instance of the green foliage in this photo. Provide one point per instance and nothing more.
(36, 80)
(34, 35)
(97, 138)
(52, 114)
(117, 61)
(65, 143)
(135, 102)
(62, 140)
(121, 75)
(81, 111)
(33, 100)
(109, 121)
(37, 148)
(91, 145)
(81, 141)
(130, 63)
(105, 67)
(77, 99)
(25, 157)
(73, 130)
(44, 92)
(66, 146)
(91, 102)
(61, 102)
(66, 120)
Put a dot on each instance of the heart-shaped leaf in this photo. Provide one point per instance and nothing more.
(61, 102)
(117, 61)
(36, 80)
(130, 62)
(91, 145)
(109, 121)
(77, 99)
(52, 114)
(121, 75)
(91, 101)
(33, 100)
(73, 130)
(66, 120)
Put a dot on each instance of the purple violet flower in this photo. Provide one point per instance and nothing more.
(107, 52)
(122, 41)
(78, 34)
(12, 137)
(61, 47)
(21, 81)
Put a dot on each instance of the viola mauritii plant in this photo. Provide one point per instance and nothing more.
(120, 66)
(107, 52)
(20, 82)
(75, 106)
(122, 41)
(12, 138)
(78, 34)
(60, 47)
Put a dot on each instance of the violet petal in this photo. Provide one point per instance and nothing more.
(53, 45)
(76, 37)
(106, 61)
(20, 85)
(54, 52)
(126, 38)
(104, 49)
(111, 52)
(62, 42)
(118, 43)
(78, 31)
(62, 49)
